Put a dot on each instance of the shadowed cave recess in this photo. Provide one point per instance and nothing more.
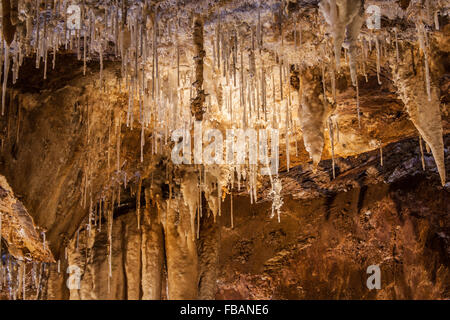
(112, 110)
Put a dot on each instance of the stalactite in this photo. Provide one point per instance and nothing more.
(18, 122)
(333, 84)
(119, 133)
(342, 16)
(381, 155)
(259, 34)
(331, 133)
(422, 43)
(45, 44)
(43, 239)
(436, 20)
(110, 221)
(84, 53)
(421, 152)
(314, 112)
(5, 77)
(281, 80)
(8, 28)
(138, 205)
(38, 35)
(425, 115)
(197, 102)
(101, 64)
(396, 46)
(231, 210)
(377, 46)
(358, 103)
(287, 126)
(351, 43)
(242, 94)
(55, 46)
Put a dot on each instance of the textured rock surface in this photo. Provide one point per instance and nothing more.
(17, 228)
(396, 216)
(81, 162)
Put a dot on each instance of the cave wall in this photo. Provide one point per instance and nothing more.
(66, 148)
(395, 216)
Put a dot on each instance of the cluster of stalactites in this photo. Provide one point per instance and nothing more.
(21, 279)
(345, 18)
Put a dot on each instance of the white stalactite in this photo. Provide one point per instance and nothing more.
(345, 18)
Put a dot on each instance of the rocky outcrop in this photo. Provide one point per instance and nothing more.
(395, 216)
(18, 230)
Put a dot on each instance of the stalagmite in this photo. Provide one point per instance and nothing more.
(277, 200)
(24, 278)
(110, 243)
(181, 250)
(152, 252)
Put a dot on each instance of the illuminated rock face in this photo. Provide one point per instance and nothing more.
(87, 151)
(424, 110)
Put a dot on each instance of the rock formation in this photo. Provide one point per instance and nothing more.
(224, 149)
